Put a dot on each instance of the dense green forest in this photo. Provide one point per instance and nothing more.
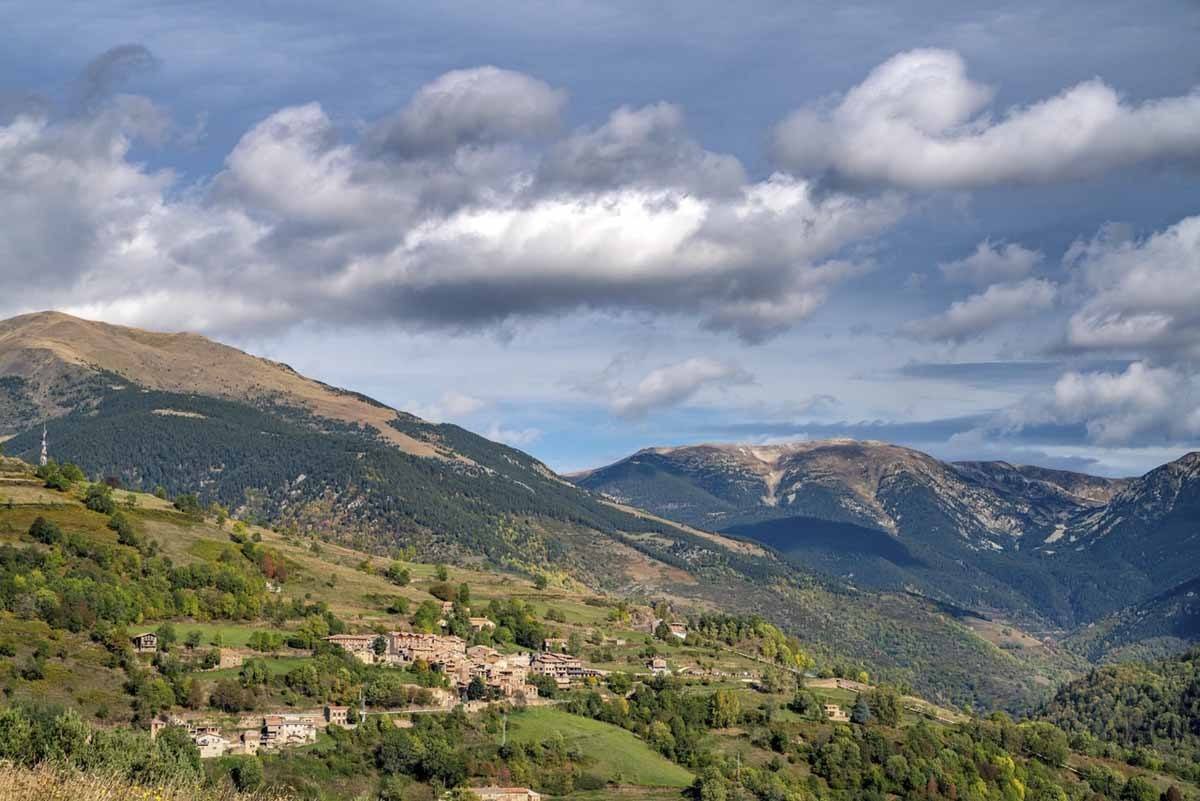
(1142, 713)
(279, 463)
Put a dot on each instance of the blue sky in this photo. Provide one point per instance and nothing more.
(586, 228)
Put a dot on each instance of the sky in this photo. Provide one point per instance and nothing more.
(588, 228)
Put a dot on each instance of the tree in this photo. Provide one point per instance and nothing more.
(885, 705)
(45, 531)
(192, 641)
(99, 498)
(861, 714)
(154, 696)
(379, 645)
(247, 774)
(254, 673)
(540, 581)
(126, 535)
(72, 473)
(724, 709)
(189, 504)
(398, 574)
(477, 689)
(441, 573)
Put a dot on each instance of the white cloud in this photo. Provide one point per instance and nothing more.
(1141, 404)
(449, 407)
(1139, 295)
(302, 225)
(990, 263)
(675, 384)
(998, 304)
(514, 437)
(919, 121)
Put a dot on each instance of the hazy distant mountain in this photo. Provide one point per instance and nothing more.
(1053, 545)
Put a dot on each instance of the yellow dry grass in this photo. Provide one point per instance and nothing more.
(50, 784)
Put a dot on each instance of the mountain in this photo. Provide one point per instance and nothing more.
(1053, 548)
(240, 614)
(188, 415)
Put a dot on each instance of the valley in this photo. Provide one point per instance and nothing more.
(822, 596)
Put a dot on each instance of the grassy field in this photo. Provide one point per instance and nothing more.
(49, 784)
(618, 754)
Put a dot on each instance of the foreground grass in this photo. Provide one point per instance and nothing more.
(619, 755)
(49, 784)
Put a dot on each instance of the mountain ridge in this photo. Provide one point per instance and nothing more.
(1021, 541)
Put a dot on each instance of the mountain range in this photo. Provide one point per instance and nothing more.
(1056, 550)
(871, 552)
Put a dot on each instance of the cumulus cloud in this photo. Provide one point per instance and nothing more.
(436, 219)
(998, 304)
(1140, 405)
(674, 384)
(450, 406)
(1139, 295)
(646, 146)
(470, 107)
(990, 263)
(918, 121)
(513, 437)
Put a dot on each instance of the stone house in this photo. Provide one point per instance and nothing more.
(211, 746)
(337, 716)
(836, 714)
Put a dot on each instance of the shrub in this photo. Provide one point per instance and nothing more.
(99, 498)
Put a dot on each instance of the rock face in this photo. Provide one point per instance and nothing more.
(1020, 540)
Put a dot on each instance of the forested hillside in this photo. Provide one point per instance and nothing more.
(1144, 713)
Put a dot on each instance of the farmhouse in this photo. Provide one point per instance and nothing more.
(658, 666)
(481, 623)
(145, 643)
(289, 729)
(211, 746)
(836, 713)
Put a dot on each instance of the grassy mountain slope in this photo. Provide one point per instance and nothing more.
(180, 412)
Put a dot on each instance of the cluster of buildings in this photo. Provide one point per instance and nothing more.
(267, 732)
(507, 674)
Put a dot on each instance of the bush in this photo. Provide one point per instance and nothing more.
(247, 774)
(99, 498)
(189, 504)
(45, 531)
(398, 574)
(443, 591)
(126, 535)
